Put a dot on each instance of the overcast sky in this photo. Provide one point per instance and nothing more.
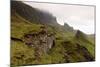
(79, 17)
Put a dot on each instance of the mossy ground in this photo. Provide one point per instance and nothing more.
(65, 49)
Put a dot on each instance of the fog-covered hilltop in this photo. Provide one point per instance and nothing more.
(35, 15)
(32, 14)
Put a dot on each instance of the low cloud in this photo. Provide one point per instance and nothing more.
(79, 17)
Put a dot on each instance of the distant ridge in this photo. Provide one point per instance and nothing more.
(37, 16)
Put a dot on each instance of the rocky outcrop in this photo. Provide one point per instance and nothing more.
(80, 35)
(76, 51)
(41, 41)
(68, 28)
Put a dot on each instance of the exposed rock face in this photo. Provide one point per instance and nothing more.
(41, 41)
(80, 34)
(68, 28)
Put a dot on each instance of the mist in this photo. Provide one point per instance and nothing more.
(78, 16)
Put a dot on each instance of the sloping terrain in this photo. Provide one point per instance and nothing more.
(37, 38)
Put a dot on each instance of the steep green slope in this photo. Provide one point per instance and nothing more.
(32, 14)
(65, 49)
(20, 26)
(68, 46)
(85, 41)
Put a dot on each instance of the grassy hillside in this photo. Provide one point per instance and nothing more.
(68, 46)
